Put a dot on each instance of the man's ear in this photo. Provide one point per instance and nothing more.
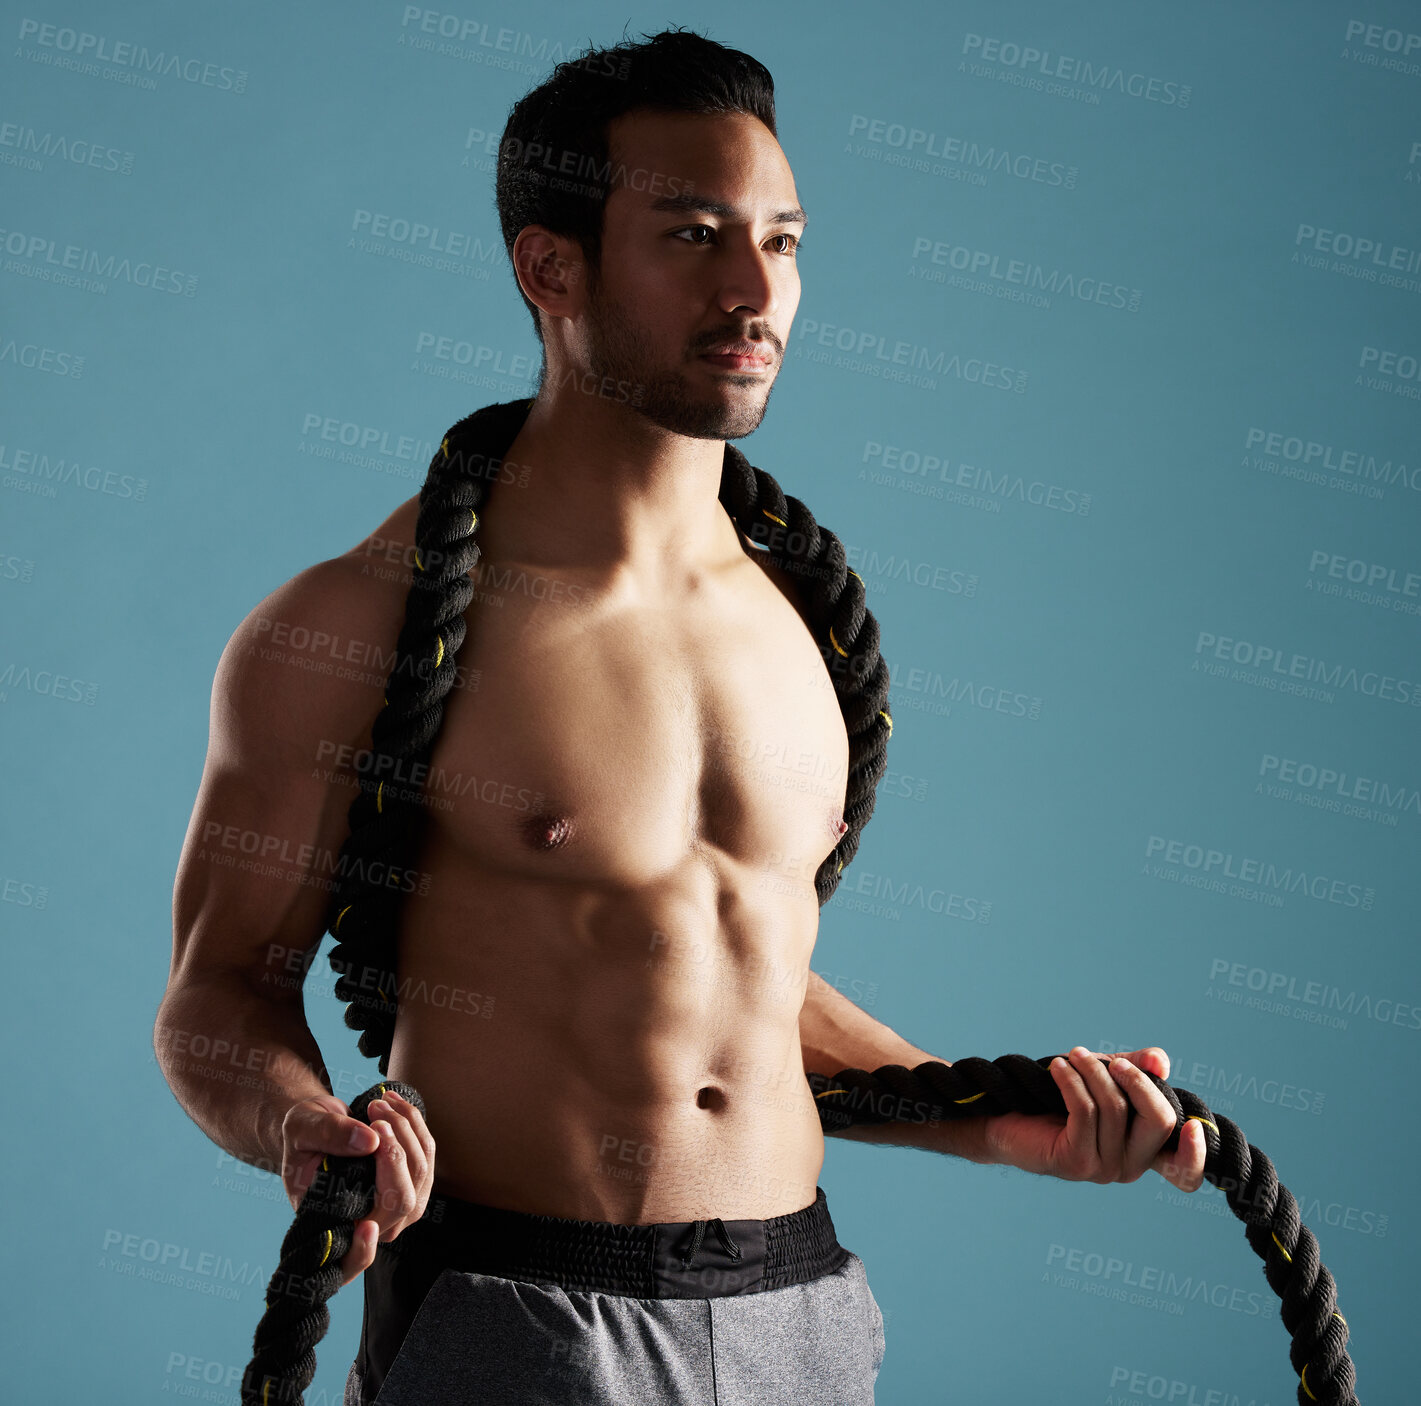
(550, 270)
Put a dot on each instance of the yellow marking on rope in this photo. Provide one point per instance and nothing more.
(1279, 1244)
(379, 791)
(382, 1091)
(475, 517)
(852, 572)
(1197, 1117)
(325, 1164)
(841, 866)
(327, 1250)
(831, 1091)
(773, 518)
(886, 719)
(419, 565)
(439, 657)
(266, 1387)
(340, 915)
(381, 990)
(835, 643)
(1306, 1387)
(973, 1099)
(1344, 1321)
(444, 448)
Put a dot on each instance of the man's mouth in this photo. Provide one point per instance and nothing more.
(740, 356)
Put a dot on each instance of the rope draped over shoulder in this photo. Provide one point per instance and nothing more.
(378, 863)
(296, 1317)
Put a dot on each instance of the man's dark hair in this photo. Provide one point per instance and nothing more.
(377, 865)
(554, 165)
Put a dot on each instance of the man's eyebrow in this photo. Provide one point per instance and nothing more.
(690, 203)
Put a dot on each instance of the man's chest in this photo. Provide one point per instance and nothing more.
(608, 746)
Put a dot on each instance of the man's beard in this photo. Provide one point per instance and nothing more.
(664, 395)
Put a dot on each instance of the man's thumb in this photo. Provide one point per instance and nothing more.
(363, 1138)
(321, 1129)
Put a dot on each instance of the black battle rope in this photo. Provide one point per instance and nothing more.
(308, 1272)
(343, 1192)
(970, 1088)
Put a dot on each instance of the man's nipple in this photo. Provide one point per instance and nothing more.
(545, 831)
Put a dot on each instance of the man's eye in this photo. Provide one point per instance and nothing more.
(794, 241)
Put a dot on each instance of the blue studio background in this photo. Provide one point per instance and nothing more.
(1106, 372)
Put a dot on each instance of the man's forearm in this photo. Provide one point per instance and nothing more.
(236, 1062)
(836, 1034)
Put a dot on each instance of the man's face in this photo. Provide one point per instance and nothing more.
(698, 250)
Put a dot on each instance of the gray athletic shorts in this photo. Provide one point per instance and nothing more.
(476, 1304)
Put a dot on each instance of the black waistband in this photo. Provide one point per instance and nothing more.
(665, 1260)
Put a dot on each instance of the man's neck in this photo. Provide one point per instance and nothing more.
(609, 492)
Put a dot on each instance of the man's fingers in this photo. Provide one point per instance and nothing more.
(1113, 1109)
(395, 1193)
(419, 1150)
(1154, 1119)
(416, 1157)
(310, 1127)
(1152, 1060)
(417, 1142)
(1081, 1117)
(416, 1121)
(401, 1144)
(1184, 1167)
(1117, 1120)
(313, 1129)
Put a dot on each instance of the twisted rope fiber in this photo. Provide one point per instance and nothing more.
(377, 862)
(308, 1272)
(1016, 1084)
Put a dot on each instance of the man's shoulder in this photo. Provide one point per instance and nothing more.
(369, 581)
(343, 607)
(384, 557)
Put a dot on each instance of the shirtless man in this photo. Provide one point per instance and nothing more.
(636, 898)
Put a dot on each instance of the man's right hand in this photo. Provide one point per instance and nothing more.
(404, 1163)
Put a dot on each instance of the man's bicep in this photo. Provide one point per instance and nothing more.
(250, 898)
(262, 848)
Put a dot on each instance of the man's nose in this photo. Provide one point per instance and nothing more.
(747, 284)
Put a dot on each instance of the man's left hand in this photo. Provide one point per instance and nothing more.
(1092, 1142)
